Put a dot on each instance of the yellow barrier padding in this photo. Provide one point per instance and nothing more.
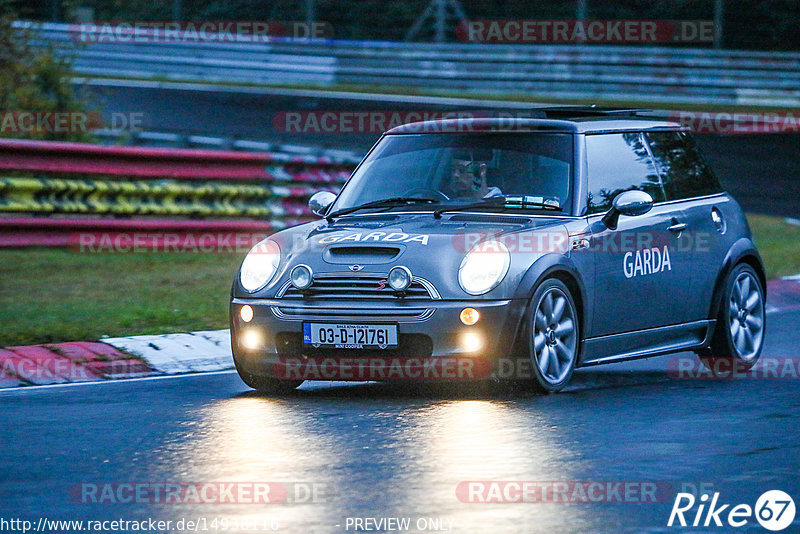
(161, 197)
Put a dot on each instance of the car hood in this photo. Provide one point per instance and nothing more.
(431, 248)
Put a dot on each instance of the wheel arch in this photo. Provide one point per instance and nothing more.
(576, 291)
(561, 268)
(743, 251)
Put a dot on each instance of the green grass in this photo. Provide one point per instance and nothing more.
(53, 295)
(58, 295)
(778, 243)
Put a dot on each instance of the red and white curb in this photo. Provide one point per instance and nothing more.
(37, 365)
(783, 294)
(115, 358)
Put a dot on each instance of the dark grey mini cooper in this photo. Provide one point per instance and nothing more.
(505, 250)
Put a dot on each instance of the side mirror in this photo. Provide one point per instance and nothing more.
(320, 202)
(631, 203)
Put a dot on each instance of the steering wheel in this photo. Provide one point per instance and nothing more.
(424, 192)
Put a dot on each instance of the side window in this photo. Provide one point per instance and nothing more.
(616, 163)
(682, 169)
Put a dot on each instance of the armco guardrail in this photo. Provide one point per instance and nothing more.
(50, 190)
(654, 74)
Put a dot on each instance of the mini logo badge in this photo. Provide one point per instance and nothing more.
(355, 268)
(381, 284)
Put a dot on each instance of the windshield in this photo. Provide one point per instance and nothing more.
(459, 169)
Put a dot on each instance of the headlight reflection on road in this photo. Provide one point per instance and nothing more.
(480, 440)
(254, 439)
(410, 455)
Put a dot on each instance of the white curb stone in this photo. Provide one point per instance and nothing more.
(181, 353)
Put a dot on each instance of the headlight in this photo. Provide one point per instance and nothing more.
(259, 265)
(484, 266)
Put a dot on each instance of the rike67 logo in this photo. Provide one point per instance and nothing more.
(774, 510)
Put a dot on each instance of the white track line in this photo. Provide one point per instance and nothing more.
(309, 384)
(112, 381)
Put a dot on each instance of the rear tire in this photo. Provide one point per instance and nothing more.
(553, 336)
(741, 324)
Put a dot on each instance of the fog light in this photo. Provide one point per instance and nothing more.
(251, 339)
(399, 278)
(246, 313)
(472, 342)
(470, 316)
(302, 277)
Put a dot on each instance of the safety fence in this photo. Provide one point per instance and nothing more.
(51, 190)
(600, 72)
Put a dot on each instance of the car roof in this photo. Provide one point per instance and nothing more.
(483, 125)
(569, 119)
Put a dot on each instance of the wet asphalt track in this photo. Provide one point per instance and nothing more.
(376, 450)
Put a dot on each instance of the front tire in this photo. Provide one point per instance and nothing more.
(739, 334)
(265, 384)
(553, 336)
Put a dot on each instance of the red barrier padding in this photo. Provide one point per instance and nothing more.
(166, 163)
(147, 162)
(96, 234)
(88, 223)
(33, 239)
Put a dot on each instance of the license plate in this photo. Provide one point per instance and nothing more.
(350, 336)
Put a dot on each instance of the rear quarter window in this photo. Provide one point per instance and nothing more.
(684, 172)
(619, 162)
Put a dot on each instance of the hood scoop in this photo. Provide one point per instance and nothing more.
(488, 219)
(366, 221)
(349, 254)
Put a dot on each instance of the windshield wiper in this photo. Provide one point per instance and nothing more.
(502, 202)
(384, 203)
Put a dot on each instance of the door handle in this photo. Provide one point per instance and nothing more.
(677, 227)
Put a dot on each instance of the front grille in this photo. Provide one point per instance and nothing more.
(358, 287)
(350, 313)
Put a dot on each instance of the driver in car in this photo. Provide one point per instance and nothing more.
(468, 180)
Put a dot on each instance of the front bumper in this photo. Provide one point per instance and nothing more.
(429, 332)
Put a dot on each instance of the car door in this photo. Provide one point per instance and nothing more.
(690, 186)
(643, 268)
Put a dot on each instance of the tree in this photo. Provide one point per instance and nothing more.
(35, 78)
